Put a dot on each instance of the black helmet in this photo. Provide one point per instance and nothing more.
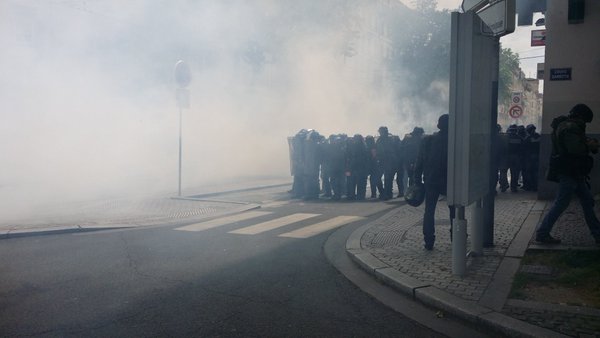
(418, 131)
(530, 128)
(443, 122)
(582, 111)
(415, 195)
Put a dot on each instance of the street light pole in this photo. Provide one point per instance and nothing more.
(183, 77)
(180, 124)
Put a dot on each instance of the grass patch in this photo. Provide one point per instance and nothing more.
(575, 278)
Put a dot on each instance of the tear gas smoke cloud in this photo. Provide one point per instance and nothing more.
(88, 107)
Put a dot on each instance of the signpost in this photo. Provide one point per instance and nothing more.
(540, 71)
(474, 62)
(515, 112)
(560, 74)
(183, 77)
(516, 98)
(538, 37)
(496, 18)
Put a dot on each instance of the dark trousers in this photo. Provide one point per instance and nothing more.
(375, 182)
(325, 182)
(338, 184)
(388, 183)
(515, 172)
(503, 178)
(531, 172)
(432, 194)
(410, 172)
(400, 181)
(567, 186)
(298, 186)
(311, 185)
(357, 186)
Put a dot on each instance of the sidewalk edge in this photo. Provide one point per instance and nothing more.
(13, 233)
(437, 298)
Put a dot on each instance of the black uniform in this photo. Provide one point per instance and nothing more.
(532, 149)
(374, 170)
(515, 149)
(357, 168)
(386, 158)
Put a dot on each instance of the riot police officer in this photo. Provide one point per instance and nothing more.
(386, 158)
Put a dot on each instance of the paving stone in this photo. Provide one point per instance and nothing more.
(396, 239)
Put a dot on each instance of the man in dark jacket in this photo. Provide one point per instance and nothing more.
(570, 165)
(432, 168)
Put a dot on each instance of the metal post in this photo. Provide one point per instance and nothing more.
(477, 229)
(459, 243)
(180, 123)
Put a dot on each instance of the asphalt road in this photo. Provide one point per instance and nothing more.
(196, 279)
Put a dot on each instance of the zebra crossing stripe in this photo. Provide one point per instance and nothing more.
(223, 221)
(272, 204)
(272, 224)
(318, 228)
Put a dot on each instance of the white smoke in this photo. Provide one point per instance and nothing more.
(88, 107)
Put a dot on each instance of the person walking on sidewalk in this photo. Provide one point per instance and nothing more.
(570, 164)
(431, 170)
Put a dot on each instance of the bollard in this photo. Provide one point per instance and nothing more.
(459, 243)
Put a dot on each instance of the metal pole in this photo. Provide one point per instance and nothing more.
(489, 199)
(459, 243)
(180, 123)
(477, 229)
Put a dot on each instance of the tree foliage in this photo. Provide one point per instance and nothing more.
(509, 68)
(423, 54)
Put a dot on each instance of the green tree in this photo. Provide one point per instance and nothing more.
(509, 68)
(423, 40)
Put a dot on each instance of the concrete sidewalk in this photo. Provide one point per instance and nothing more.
(391, 248)
(197, 204)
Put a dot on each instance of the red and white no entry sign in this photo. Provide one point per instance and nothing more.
(515, 112)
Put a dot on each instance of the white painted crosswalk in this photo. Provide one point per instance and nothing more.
(315, 229)
(305, 231)
(273, 224)
(223, 221)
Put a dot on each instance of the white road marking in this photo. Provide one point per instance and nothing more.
(223, 221)
(273, 224)
(318, 228)
(272, 204)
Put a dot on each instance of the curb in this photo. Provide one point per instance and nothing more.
(217, 193)
(58, 230)
(436, 298)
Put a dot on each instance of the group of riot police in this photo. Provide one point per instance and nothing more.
(339, 166)
(518, 151)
